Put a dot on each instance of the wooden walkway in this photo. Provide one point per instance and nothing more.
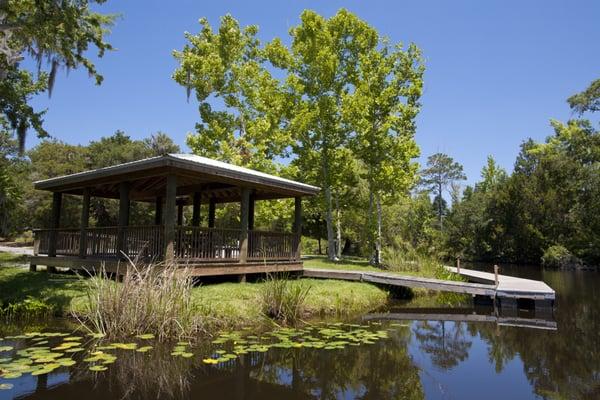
(508, 292)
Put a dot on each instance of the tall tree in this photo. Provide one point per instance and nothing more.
(322, 64)
(50, 31)
(228, 66)
(441, 171)
(381, 112)
(588, 100)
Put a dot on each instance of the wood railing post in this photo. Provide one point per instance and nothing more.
(458, 265)
(170, 200)
(158, 211)
(211, 212)
(55, 223)
(245, 203)
(196, 202)
(85, 219)
(496, 269)
(124, 188)
(298, 225)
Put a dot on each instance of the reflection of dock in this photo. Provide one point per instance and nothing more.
(509, 292)
(462, 315)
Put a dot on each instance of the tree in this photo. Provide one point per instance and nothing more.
(229, 66)
(441, 171)
(491, 175)
(322, 65)
(588, 100)
(381, 113)
(56, 32)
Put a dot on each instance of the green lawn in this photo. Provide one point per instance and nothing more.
(232, 304)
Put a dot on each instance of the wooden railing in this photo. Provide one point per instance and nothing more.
(191, 243)
(207, 244)
(271, 246)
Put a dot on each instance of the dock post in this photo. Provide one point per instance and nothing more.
(458, 265)
(496, 274)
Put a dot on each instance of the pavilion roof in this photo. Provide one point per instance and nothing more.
(212, 178)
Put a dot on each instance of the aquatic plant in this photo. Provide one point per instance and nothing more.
(151, 300)
(283, 299)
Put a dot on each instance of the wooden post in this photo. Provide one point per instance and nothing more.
(124, 188)
(54, 223)
(245, 206)
(496, 274)
(85, 220)
(196, 208)
(180, 214)
(298, 224)
(158, 211)
(211, 212)
(458, 265)
(171, 194)
(251, 211)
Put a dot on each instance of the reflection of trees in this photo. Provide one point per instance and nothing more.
(446, 342)
(563, 364)
(379, 371)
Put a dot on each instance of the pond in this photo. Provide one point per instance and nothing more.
(437, 354)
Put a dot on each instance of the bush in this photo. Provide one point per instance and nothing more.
(284, 300)
(558, 256)
(27, 308)
(153, 299)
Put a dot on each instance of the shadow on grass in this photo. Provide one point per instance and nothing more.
(55, 290)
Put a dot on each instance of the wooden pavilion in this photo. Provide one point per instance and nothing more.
(172, 182)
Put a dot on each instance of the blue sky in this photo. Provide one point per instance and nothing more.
(496, 72)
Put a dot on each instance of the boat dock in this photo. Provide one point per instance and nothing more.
(509, 292)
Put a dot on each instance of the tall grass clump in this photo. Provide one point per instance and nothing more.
(283, 299)
(153, 299)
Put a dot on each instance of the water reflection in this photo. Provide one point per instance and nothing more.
(439, 354)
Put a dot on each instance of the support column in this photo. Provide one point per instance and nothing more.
(158, 211)
(54, 225)
(170, 199)
(124, 188)
(251, 211)
(298, 225)
(85, 221)
(244, 214)
(180, 214)
(211, 212)
(196, 208)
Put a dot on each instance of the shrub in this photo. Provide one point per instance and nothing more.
(27, 308)
(151, 299)
(284, 300)
(558, 256)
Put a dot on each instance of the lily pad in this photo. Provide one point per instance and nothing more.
(98, 368)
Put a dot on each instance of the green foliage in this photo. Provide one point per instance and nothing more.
(283, 299)
(588, 100)
(441, 171)
(56, 32)
(558, 256)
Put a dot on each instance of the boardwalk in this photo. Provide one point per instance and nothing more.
(508, 293)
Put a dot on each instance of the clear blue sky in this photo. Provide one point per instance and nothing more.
(496, 72)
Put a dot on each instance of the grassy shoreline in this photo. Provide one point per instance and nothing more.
(223, 306)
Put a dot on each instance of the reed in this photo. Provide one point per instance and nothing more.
(283, 299)
(153, 299)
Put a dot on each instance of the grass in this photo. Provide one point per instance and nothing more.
(10, 258)
(220, 306)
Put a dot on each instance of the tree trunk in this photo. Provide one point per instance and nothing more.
(378, 237)
(320, 249)
(440, 206)
(338, 226)
(329, 220)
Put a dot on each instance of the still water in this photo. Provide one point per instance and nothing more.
(438, 354)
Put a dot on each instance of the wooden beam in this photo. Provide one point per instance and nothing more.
(85, 221)
(211, 212)
(298, 224)
(180, 214)
(251, 211)
(124, 188)
(170, 196)
(196, 209)
(158, 213)
(244, 214)
(54, 222)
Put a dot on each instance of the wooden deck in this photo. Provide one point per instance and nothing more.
(507, 293)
